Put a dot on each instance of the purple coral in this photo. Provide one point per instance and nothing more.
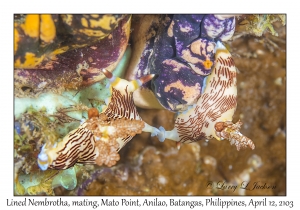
(181, 59)
(215, 28)
(186, 28)
(177, 85)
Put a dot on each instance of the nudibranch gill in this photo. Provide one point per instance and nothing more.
(99, 139)
(211, 116)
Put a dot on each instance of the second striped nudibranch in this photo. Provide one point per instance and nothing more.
(76, 147)
(99, 139)
(211, 116)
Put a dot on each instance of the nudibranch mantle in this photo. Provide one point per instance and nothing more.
(211, 117)
(78, 146)
(99, 139)
(121, 104)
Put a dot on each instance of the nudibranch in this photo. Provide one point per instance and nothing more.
(211, 116)
(99, 139)
(121, 105)
(78, 146)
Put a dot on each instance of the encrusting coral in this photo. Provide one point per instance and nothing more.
(260, 23)
(43, 182)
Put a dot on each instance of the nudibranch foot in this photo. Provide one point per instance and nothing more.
(155, 132)
(171, 135)
(161, 135)
(148, 128)
(230, 131)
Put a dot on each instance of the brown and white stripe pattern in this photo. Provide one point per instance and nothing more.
(76, 147)
(216, 104)
(121, 105)
(80, 146)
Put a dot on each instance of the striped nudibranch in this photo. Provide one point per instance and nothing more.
(76, 147)
(212, 116)
(99, 139)
(121, 104)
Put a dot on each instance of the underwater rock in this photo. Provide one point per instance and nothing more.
(71, 102)
(39, 38)
(75, 68)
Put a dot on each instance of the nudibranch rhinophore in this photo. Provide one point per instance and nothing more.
(99, 139)
(211, 116)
